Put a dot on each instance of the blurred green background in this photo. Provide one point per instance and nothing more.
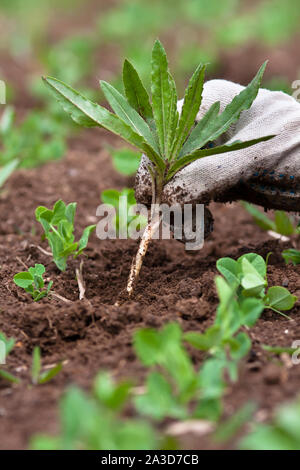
(81, 41)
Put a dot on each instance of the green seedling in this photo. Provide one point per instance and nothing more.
(170, 141)
(38, 377)
(125, 161)
(291, 255)
(249, 275)
(174, 388)
(94, 422)
(283, 433)
(8, 346)
(224, 340)
(38, 139)
(58, 225)
(282, 223)
(7, 170)
(32, 282)
(123, 201)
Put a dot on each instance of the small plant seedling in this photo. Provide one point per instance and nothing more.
(282, 223)
(32, 282)
(170, 141)
(94, 422)
(9, 345)
(249, 275)
(123, 217)
(58, 225)
(291, 255)
(38, 377)
(38, 139)
(283, 433)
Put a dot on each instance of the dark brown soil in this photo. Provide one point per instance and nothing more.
(94, 334)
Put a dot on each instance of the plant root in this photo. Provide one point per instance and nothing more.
(80, 281)
(143, 247)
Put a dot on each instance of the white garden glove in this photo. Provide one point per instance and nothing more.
(267, 174)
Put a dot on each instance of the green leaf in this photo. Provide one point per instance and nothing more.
(49, 374)
(173, 116)
(239, 345)
(7, 170)
(190, 108)
(161, 95)
(7, 120)
(85, 238)
(147, 345)
(111, 196)
(126, 161)
(7, 376)
(87, 113)
(251, 310)
(112, 395)
(24, 279)
(283, 223)
(230, 115)
(187, 159)
(36, 365)
(229, 428)
(280, 298)
(38, 270)
(257, 262)
(291, 255)
(230, 269)
(259, 217)
(195, 138)
(212, 337)
(158, 401)
(135, 91)
(128, 114)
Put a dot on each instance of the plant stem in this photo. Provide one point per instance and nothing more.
(152, 226)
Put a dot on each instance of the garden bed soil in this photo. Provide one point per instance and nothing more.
(93, 334)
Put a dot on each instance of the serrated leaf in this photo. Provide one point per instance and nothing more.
(135, 91)
(230, 115)
(87, 113)
(190, 108)
(161, 95)
(128, 114)
(187, 159)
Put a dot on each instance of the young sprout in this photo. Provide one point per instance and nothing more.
(169, 140)
(38, 377)
(58, 225)
(32, 281)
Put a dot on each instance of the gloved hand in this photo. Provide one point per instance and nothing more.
(267, 174)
